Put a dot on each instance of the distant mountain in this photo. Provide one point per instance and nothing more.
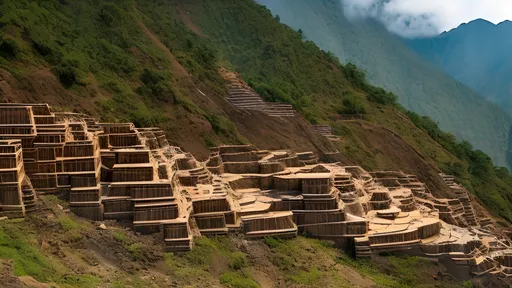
(477, 54)
(389, 63)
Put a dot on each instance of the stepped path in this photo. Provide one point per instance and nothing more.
(326, 130)
(242, 97)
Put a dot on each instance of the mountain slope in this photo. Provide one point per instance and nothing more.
(477, 54)
(281, 66)
(389, 63)
(156, 63)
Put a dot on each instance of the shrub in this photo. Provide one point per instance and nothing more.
(135, 251)
(352, 105)
(109, 14)
(50, 54)
(355, 76)
(379, 95)
(307, 277)
(271, 93)
(67, 223)
(238, 261)
(151, 77)
(156, 86)
(272, 242)
(121, 237)
(72, 69)
(8, 48)
(237, 280)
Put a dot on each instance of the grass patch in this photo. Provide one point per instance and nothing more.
(272, 242)
(27, 260)
(121, 237)
(206, 259)
(238, 260)
(84, 281)
(133, 247)
(135, 251)
(308, 278)
(237, 280)
(132, 281)
(67, 223)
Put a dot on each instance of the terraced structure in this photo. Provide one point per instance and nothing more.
(243, 97)
(121, 172)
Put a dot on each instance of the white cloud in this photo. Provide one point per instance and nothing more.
(413, 18)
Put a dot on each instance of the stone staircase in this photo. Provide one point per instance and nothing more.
(469, 212)
(326, 130)
(276, 109)
(244, 98)
(463, 196)
(28, 196)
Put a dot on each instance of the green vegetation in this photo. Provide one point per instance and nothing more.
(227, 261)
(390, 64)
(27, 259)
(308, 278)
(316, 263)
(208, 256)
(267, 54)
(19, 244)
(238, 260)
(99, 49)
(84, 281)
(237, 280)
(67, 223)
(133, 247)
(475, 170)
(137, 82)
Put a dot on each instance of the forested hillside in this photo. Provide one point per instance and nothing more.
(157, 62)
(388, 63)
(477, 54)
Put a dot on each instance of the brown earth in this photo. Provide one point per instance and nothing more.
(396, 154)
(7, 278)
(40, 85)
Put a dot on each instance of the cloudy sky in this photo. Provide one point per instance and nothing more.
(413, 18)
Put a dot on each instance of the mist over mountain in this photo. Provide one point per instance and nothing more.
(477, 54)
(389, 63)
(417, 18)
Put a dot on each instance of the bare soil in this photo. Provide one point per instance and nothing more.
(398, 155)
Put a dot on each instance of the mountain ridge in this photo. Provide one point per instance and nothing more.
(475, 54)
